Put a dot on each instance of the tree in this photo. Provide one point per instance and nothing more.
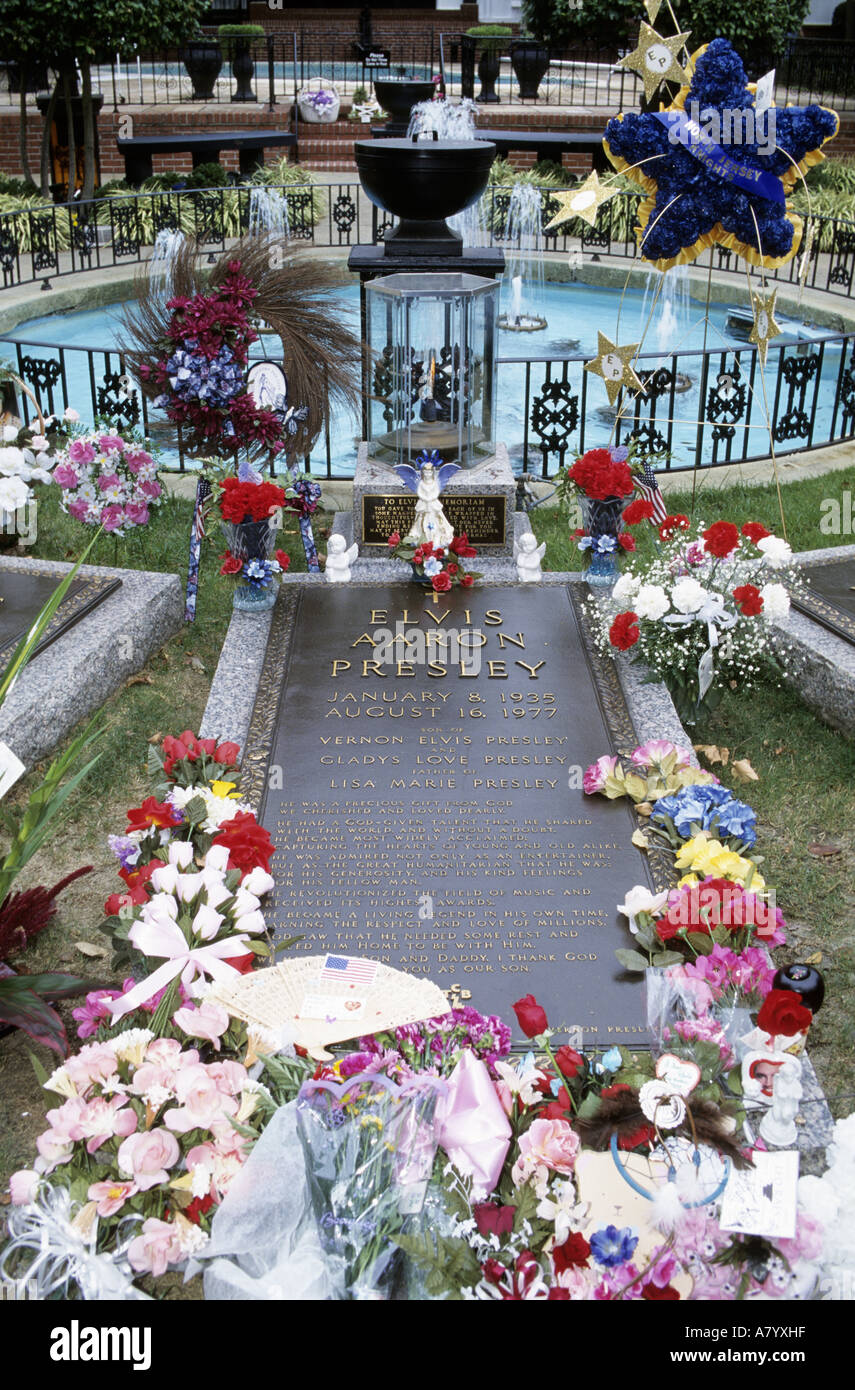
(67, 34)
(758, 29)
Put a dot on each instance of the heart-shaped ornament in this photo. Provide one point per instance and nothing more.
(352, 1005)
(681, 1076)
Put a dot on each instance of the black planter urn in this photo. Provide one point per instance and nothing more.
(203, 59)
(398, 96)
(488, 73)
(243, 68)
(530, 62)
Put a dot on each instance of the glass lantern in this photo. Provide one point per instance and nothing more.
(432, 378)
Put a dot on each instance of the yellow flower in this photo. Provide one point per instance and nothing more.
(225, 790)
(733, 867)
(698, 853)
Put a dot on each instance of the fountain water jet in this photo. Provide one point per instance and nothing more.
(524, 231)
(161, 266)
(268, 212)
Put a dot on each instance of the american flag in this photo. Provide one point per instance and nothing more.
(648, 488)
(348, 970)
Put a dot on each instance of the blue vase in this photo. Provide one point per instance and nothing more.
(602, 517)
(250, 600)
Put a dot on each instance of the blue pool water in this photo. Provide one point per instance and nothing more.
(575, 312)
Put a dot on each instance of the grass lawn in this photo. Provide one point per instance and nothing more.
(805, 796)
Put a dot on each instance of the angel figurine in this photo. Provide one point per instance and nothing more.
(340, 557)
(528, 555)
(427, 481)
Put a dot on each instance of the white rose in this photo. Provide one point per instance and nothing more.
(217, 858)
(245, 902)
(253, 922)
(640, 899)
(165, 879)
(207, 923)
(12, 461)
(775, 552)
(688, 596)
(181, 852)
(188, 886)
(258, 881)
(776, 601)
(625, 587)
(651, 601)
(8, 433)
(71, 415)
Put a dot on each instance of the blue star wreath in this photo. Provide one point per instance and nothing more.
(705, 209)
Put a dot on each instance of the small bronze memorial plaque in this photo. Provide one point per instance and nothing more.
(481, 516)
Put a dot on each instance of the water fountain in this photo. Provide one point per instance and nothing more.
(161, 266)
(268, 212)
(524, 232)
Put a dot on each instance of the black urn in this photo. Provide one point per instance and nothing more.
(421, 182)
(803, 980)
(398, 96)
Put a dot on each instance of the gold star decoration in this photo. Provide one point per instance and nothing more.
(652, 7)
(765, 326)
(655, 59)
(614, 365)
(585, 201)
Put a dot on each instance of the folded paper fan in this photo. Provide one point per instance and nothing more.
(328, 999)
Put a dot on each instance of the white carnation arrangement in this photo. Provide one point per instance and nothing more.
(700, 613)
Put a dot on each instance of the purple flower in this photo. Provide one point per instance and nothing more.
(91, 1014)
(126, 850)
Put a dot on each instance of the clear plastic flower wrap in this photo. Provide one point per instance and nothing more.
(369, 1146)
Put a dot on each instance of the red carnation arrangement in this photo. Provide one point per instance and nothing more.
(599, 475)
(248, 843)
(639, 510)
(753, 531)
(245, 501)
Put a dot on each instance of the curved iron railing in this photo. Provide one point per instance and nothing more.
(805, 397)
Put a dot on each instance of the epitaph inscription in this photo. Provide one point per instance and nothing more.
(434, 819)
(480, 516)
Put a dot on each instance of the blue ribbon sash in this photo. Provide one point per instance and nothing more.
(717, 160)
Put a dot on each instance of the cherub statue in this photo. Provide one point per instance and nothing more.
(339, 560)
(528, 555)
(427, 481)
(778, 1125)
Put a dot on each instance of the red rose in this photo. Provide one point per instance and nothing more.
(578, 533)
(242, 964)
(721, 539)
(754, 531)
(749, 600)
(116, 901)
(232, 564)
(574, 1252)
(461, 547)
(467, 580)
(654, 1294)
(569, 1062)
(559, 1108)
(677, 522)
(639, 510)
(491, 1219)
(452, 569)
(152, 813)
(530, 1016)
(783, 1014)
(227, 754)
(441, 582)
(626, 541)
(624, 631)
(247, 842)
(187, 745)
(394, 539)
(419, 555)
(493, 1272)
(283, 560)
(558, 1295)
